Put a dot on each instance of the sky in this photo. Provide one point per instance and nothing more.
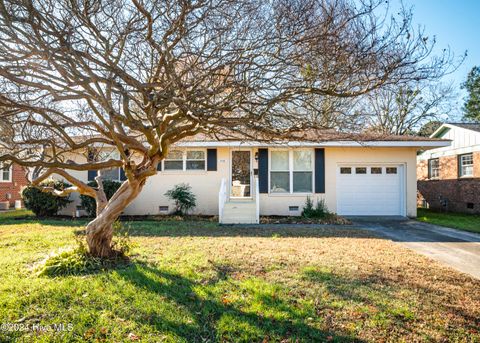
(455, 24)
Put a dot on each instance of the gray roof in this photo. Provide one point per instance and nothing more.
(469, 126)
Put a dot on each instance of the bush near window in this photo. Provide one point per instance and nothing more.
(320, 210)
(44, 204)
(184, 198)
(89, 204)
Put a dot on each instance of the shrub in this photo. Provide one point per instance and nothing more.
(89, 204)
(45, 204)
(184, 199)
(318, 211)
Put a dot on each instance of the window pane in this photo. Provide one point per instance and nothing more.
(173, 165)
(376, 170)
(195, 165)
(391, 170)
(345, 170)
(302, 182)
(467, 170)
(467, 160)
(111, 174)
(175, 155)
(279, 160)
(302, 160)
(195, 155)
(280, 182)
(6, 174)
(360, 170)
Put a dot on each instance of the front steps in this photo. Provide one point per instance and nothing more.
(239, 212)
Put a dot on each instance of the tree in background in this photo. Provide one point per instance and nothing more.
(136, 76)
(429, 128)
(471, 108)
(402, 109)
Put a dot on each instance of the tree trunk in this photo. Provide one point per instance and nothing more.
(100, 230)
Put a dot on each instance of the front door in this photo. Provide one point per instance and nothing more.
(241, 174)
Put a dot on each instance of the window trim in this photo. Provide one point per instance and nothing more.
(290, 171)
(460, 166)
(10, 173)
(429, 166)
(184, 162)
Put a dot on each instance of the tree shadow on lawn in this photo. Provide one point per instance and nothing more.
(216, 320)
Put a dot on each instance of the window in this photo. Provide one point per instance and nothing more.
(280, 172)
(174, 160)
(291, 171)
(302, 171)
(360, 170)
(433, 168)
(345, 170)
(391, 170)
(466, 165)
(195, 160)
(180, 160)
(376, 170)
(112, 174)
(6, 173)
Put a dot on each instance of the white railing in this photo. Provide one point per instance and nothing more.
(222, 199)
(257, 201)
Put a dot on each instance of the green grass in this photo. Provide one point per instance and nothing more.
(15, 214)
(466, 222)
(199, 282)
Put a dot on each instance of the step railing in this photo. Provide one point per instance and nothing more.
(257, 201)
(222, 199)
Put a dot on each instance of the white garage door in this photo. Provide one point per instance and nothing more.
(370, 190)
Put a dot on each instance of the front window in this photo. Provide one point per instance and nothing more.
(181, 160)
(434, 168)
(112, 174)
(6, 173)
(174, 160)
(302, 171)
(280, 172)
(291, 171)
(466, 165)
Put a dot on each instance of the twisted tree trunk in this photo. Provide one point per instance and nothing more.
(100, 230)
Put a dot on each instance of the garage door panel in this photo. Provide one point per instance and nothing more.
(369, 194)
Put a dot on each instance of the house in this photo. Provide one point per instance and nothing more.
(449, 177)
(12, 181)
(240, 179)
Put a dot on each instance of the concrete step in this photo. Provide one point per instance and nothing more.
(239, 212)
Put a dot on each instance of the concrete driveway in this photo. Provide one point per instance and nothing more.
(454, 248)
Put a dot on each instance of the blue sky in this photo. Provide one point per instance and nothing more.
(455, 24)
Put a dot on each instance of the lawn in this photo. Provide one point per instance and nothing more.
(467, 222)
(198, 282)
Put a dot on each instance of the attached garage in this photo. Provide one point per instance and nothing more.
(371, 190)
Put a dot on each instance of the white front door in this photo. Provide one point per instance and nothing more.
(370, 190)
(241, 174)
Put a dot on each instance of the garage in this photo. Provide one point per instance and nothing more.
(370, 190)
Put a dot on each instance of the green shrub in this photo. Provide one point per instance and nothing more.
(320, 210)
(184, 199)
(89, 204)
(45, 204)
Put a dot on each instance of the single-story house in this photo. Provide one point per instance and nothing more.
(449, 176)
(12, 180)
(240, 179)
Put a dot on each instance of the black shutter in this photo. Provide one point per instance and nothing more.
(159, 166)
(319, 170)
(123, 177)
(429, 168)
(263, 170)
(459, 165)
(92, 174)
(212, 159)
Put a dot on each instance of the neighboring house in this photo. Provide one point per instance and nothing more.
(449, 177)
(12, 181)
(240, 179)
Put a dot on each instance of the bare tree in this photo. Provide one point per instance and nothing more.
(402, 109)
(139, 75)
